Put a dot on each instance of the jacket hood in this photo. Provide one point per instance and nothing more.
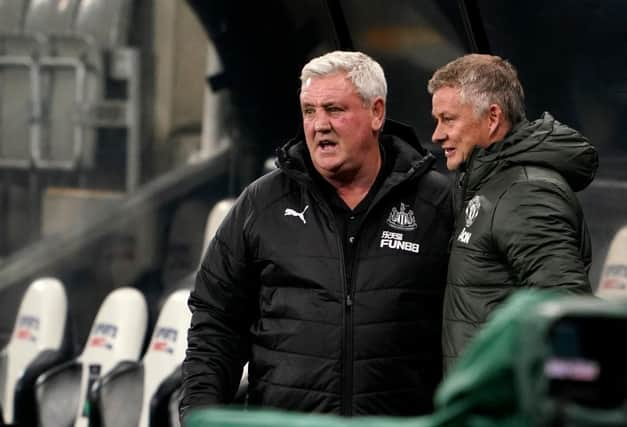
(399, 140)
(545, 143)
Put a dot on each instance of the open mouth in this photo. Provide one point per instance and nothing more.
(326, 144)
(449, 152)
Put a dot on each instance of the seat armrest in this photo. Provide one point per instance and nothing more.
(159, 403)
(25, 406)
(116, 398)
(57, 392)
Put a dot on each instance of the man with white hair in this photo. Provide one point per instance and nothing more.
(328, 274)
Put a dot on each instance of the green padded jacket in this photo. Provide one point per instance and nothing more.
(519, 225)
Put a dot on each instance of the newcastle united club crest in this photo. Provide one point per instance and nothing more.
(402, 219)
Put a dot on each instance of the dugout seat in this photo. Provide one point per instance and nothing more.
(613, 282)
(78, 66)
(55, 72)
(214, 219)
(117, 336)
(137, 394)
(39, 341)
(23, 87)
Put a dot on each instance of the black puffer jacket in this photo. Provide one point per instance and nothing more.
(273, 288)
(521, 224)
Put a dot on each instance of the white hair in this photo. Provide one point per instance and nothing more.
(364, 72)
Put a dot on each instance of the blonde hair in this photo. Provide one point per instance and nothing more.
(483, 80)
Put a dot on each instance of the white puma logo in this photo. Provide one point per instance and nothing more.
(292, 212)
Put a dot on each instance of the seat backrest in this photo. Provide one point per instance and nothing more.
(14, 86)
(74, 74)
(39, 326)
(217, 214)
(613, 282)
(117, 335)
(166, 350)
(59, 87)
(41, 18)
(15, 112)
(137, 394)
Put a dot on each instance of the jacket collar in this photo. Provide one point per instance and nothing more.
(544, 142)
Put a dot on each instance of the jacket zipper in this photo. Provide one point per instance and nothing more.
(347, 395)
(349, 288)
(347, 344)
(346, 379)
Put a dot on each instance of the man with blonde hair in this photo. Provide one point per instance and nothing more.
(328, 274)
(519, 223)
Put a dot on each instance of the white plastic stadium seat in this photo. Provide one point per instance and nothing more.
(613, 282)
(177, 271)
(217, 214)
(137, 394)
(117, 335)
(37, 343)
(166, 352)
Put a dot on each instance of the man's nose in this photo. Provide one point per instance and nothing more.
(322, 123)
(438, 136)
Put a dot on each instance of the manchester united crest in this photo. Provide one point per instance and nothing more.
(472, 210)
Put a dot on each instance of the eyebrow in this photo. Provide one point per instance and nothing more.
(323, 105)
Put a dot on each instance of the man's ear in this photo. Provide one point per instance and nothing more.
(498, 126)
(378, 114)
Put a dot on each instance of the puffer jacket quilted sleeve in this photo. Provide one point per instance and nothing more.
(537, 225)
(223, 307)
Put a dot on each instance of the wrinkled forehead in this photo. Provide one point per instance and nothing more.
(336, 76)
(306, 83)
